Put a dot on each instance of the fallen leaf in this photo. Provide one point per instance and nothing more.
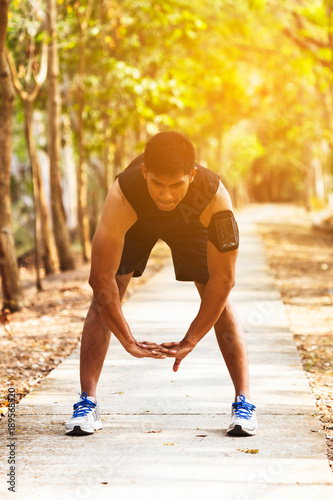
(247, 450)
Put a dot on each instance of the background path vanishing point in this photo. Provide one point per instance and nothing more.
(164, 433)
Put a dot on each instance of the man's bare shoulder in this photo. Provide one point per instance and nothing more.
(220, 202)
(117, 210)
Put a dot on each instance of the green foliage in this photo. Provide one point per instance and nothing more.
(250, 82)
(241, 148)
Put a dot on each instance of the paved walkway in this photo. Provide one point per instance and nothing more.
(164, 433)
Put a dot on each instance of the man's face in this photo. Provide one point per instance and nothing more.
(167, 191)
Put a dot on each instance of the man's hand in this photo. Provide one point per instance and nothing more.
(151, 350)
(181, 351)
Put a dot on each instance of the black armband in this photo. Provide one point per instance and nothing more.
(223, 231)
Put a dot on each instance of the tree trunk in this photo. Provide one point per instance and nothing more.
(44, 236)
(58, 214)
(41, 216)
(119, 145)
(48, 243)
(308, 177)
(11, 286)
(106, 155)
(36, 194)
(82, 166)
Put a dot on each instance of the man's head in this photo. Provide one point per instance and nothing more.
(169, 168)
(169, 153)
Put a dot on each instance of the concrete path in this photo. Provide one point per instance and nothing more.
(164, 434)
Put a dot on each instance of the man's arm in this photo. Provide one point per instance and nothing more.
(221, 266)
(117, 217)
(222, 269)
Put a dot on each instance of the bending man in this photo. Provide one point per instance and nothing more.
(164, 194)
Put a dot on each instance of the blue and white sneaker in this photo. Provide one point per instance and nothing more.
(85, 419)
(243, 418)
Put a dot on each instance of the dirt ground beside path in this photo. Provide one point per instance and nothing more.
(301, 259)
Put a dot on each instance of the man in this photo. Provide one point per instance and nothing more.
(164, 194)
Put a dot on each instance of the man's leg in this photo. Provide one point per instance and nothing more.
(95, 342)
(231, 339)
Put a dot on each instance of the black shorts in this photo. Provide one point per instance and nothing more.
(189, 252)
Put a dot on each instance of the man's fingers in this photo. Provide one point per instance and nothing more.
(176, 365)
(167, 352)
(157, 348)
(170, 344)
(149, 345)
(156, 355)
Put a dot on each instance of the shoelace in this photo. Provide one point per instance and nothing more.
(81, 408)
(243, 409)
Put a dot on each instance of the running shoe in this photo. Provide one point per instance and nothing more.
(85, 419)
(243, 418)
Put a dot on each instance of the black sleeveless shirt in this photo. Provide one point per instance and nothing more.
(184, 218)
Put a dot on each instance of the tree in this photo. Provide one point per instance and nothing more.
(83, 16)
(250, 82)
(54, 144)
(311, 29)
(11, 286)
(43, 235)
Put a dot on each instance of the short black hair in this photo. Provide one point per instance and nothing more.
(168, 153)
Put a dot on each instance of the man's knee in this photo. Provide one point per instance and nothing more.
(94, 321)
(228, 311)
(93, 313)
(122, 282)
(93, 306)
